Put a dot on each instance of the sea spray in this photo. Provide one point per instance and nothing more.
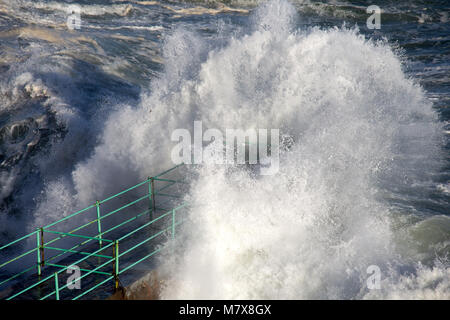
(361, 131)
(312, 230)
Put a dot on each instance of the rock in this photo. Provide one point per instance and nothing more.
(146, 288)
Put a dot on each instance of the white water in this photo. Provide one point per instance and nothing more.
(360, 127)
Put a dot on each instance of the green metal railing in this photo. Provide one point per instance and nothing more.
(93, 239)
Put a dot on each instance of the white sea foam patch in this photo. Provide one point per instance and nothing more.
(444, 187)
(90, 10)
(311, 231)
(425, 283)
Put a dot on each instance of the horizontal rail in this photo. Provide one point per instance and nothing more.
(78, 252)
(18, 274)
(17, 240)
(94, 287)
(169, 170)
(169, 195)
(124, 206)
(124, 191)
(70, 216)
(30, 287)
(76, 235)
(87, 270)
(18, 257)
(170, 180)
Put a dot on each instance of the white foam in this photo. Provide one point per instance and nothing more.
(444, 187)
(425, 284)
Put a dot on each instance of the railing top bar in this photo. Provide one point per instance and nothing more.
(78, 252)
(123, 207)
(18, 257)
(69, 216)
(124, 191)
(77, 235)
(169, 180)
(17, 240)
(180, 206)
(167, 171)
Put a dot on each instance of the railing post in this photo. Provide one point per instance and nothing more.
(151, 194)
(38, 246)
(99, 223)
(41, 257)
(173, 223)
(150, 213)
(116, 265)
(56, 286)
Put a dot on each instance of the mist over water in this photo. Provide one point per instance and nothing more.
(361, 185)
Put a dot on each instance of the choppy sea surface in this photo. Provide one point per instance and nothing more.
(88, 111)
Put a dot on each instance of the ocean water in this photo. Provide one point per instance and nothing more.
(85, 113)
